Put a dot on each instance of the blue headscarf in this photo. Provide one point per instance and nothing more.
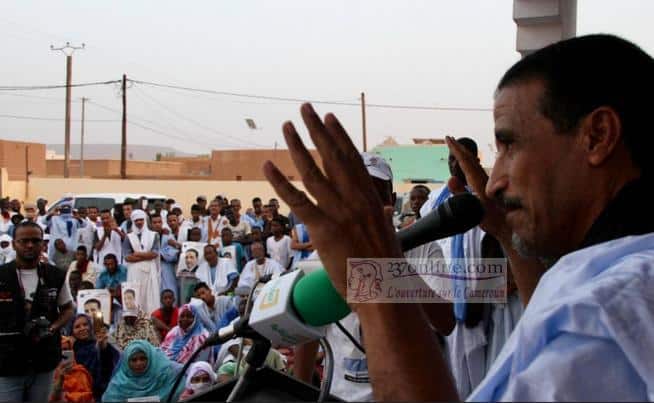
(458, 253)
(157, 380)
(86, 351)
(88, 355)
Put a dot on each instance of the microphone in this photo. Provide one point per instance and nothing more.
(455, 215)
(295, 308)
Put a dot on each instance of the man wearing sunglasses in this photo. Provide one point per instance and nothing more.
(35, 303)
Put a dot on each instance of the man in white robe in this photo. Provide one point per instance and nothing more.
(64, 226)
(219, 273)
(108, 239)
(141, 251)
(258, 267)
(568, 189)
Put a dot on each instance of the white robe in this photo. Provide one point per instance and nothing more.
(224, 270)
(145, 273)
(587, 332)
(250, 275)
(113, 245)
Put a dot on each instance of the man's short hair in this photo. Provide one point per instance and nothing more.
(93, 300)
(469, 144)
(170, 201)
(587, 72)
(197, 254)
(200, 286)
(82, 248)
(167, 290)
(422, 188)
(130, 291)
(278, 221)
(105, 211)
(256, 199)
(27, 224)
(196, 207)
(111, 256)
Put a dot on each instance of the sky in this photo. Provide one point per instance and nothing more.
(418, 52)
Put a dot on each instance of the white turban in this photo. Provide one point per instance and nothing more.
(137, 215)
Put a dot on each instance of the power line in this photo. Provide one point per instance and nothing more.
(52, 87)
(51, 119)
(146, 127)
(314, 101)
(196, 123)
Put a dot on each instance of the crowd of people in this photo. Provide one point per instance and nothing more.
(563, 204)
(186, 278)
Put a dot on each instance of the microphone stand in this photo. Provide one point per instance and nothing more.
(254, 359)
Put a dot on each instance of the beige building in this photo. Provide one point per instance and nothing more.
(20, 157)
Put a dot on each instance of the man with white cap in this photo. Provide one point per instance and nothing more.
(31, 214)
(141, 252)
(7, 252)
(64, 226)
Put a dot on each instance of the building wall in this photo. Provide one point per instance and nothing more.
(192, 166)
(12, 157)
(246, 165)
(111, 168)
(417, 162)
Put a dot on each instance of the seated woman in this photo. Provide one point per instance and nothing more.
(72, 382)
(185, 338)
(99, 357)
(143, 371)
(200, 378)
(135, 326)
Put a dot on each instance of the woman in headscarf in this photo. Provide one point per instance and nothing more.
(185, 338)
(135, 326)
(200, 378)
(98, 356)
(143, 371)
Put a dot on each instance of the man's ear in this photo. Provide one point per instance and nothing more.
(601, 132)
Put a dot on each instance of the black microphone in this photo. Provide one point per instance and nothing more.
(455, 215)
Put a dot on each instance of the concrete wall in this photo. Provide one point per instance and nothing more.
(246, 164)
(193, 166)
(111, 168)
(12, 157)
(540, 23)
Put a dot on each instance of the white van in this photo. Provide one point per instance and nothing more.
(105, 201)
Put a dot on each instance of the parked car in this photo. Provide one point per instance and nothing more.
(105, 201)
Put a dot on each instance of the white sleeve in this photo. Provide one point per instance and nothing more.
(64, 295)
(247, 276)
(547, 377)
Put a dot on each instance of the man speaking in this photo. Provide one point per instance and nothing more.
(572, 124)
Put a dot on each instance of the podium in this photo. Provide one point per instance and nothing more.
(268, 385)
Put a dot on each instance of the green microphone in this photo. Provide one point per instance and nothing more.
(316, 301)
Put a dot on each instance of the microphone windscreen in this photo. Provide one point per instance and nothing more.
(316, 300)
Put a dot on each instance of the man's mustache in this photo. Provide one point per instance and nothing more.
(508, 202)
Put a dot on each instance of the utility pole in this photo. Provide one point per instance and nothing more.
(123, 144)
(67, 50)
(27, 172)
(81, 150)
(363, 121)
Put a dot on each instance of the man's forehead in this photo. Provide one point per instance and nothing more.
(516, 103)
